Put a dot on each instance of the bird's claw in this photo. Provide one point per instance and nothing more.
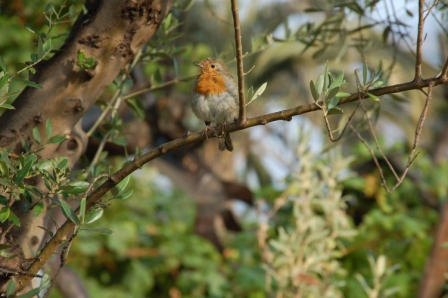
(205, 131)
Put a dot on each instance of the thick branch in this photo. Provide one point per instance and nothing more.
(239, 60)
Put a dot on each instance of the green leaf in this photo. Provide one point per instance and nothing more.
(74, 187)
(101, 231)
(56, 139)
(158, 75)
(48, 129)
(4, 80)
(371, 96)
(40, 48)
(117, 189)
(4, 214)
(89, 63)
(11, 288)
(30, 158)
(167, 22)
(189, 5)
(46, 279)
(47, 184)
(314, 91)
(28, 195)
(4, 170)
(257, 93)
(50, 233)
(69, 213)
(5, 182)
(36, 135)
(31, 293)
(2, 64)
(82, 209)
(47, 46)
(120, 141)
(8, 161)
(325, 73)
(137, 107)
(30, 83)
(31, 29)
(4, 200)
(342, 94)
(378, 83)
(250, 92)
(320, 84)
(332, 103)
(72, 12)
(124, 195)
(14, 219)
(48, 7)
(34, 57)
(338, 82)
(62, 163)
(333, 93)
(365, 68)
(36, 191)
(335, 111)
(94, 215)
(38, 209)
(76, 173)
(81, 58)
(21, 174)
(7, 106)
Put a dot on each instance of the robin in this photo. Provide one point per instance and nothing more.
(215, 98)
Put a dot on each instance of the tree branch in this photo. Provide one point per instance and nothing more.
(421, 24)
(239, 61)
(189, 138)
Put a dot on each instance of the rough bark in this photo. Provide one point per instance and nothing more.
(111, 32)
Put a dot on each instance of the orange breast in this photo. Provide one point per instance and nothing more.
(210, 84)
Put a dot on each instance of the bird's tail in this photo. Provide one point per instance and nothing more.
(225, 142)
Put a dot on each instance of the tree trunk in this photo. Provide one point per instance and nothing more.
(112, 31)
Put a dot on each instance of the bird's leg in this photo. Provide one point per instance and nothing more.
(207, 128)
(223, 126)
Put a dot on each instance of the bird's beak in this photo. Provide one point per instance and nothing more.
(198, 64)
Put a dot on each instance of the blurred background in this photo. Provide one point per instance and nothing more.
(288, 213)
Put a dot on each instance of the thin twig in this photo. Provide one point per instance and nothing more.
(214, 14)
(327, 124)
(418, 131)
(239, 60)
(441, 26)
(412, 155)
(372, 153)
(161, 86)
(246, 73)
(444, 72)
(89, 189)
(421, 24)
(63, 258)
(372, 132)
(428, 11)
(9, 270)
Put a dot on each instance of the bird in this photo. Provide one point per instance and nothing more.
(215, 98)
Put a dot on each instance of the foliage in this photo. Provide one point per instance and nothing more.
(303, 258)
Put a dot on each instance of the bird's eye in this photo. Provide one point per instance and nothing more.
(213, 66)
